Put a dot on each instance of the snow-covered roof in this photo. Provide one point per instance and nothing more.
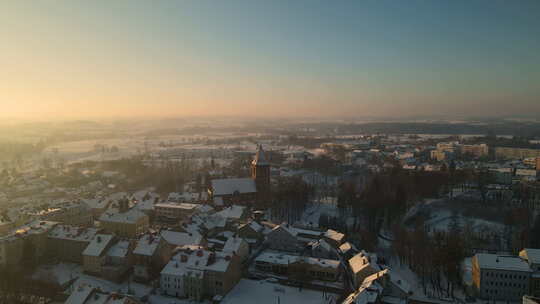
(197, 261)
(130, 216)
(181, 238)
(228, 186)
(74, 233)
(232, 212)
(119, 250)
(183, 206)
(334, 235)
(147, 245)
(285, 259)
(285, 227)
(502, 262)
(531, 255)
(98, 244)
(232, 244)
(360, 261)
(345, 247)
(80, 295)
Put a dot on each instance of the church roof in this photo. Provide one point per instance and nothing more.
(259, 159)
(228, 186)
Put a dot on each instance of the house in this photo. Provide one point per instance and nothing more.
(334, 238)
(86, 294)
(283, 238)
(151, 254)
(125, 223)
(322, 249)
(362, 266)
(297, 267)
(32, 235)
(200, 273)
(238, 246)
(118, 261)
(67, 243)
(172, 213)
(176, 238)
(94, 256)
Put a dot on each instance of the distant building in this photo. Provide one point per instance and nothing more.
(502, 278)
(515, 153)
(480, 150)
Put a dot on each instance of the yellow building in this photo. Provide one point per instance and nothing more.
(129, 224)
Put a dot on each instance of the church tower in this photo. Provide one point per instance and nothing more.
(260, 171)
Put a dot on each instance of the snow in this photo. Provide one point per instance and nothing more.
(501, 262)
(73, 233)
(532, 255)
(228, 186)
(119, 249)
(98, 244)
(263, 292)
(130, 216)
(286, 259)
(334, 235)
(157, 299)
(232, 244)
(232, 212)
(181, 238)
(147, 245)
(79, 295)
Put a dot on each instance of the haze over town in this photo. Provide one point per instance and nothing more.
(234, 152)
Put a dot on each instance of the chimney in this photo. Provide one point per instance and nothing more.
(211, 259)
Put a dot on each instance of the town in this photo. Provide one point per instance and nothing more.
(275, 218)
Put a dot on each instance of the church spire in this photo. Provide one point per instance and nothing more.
(260, 159)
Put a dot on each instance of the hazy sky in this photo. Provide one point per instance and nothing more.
(73, 59)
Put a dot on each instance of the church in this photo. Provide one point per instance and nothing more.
(244, 191)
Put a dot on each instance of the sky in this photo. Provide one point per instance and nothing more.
(278, 58)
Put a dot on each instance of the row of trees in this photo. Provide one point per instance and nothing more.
(436, 258)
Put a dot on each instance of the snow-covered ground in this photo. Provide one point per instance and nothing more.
(64, 272)
(263, 292)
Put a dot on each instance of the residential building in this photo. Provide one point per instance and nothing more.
(174, 212)
(284, 238)
(94, 256)
(66, 243)
(297, 267)
(515, 153)
(151, 254)
(32, 235)
(479, 150)
(362, 266)
(498, 277)
(126, 223)
(200, 273)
